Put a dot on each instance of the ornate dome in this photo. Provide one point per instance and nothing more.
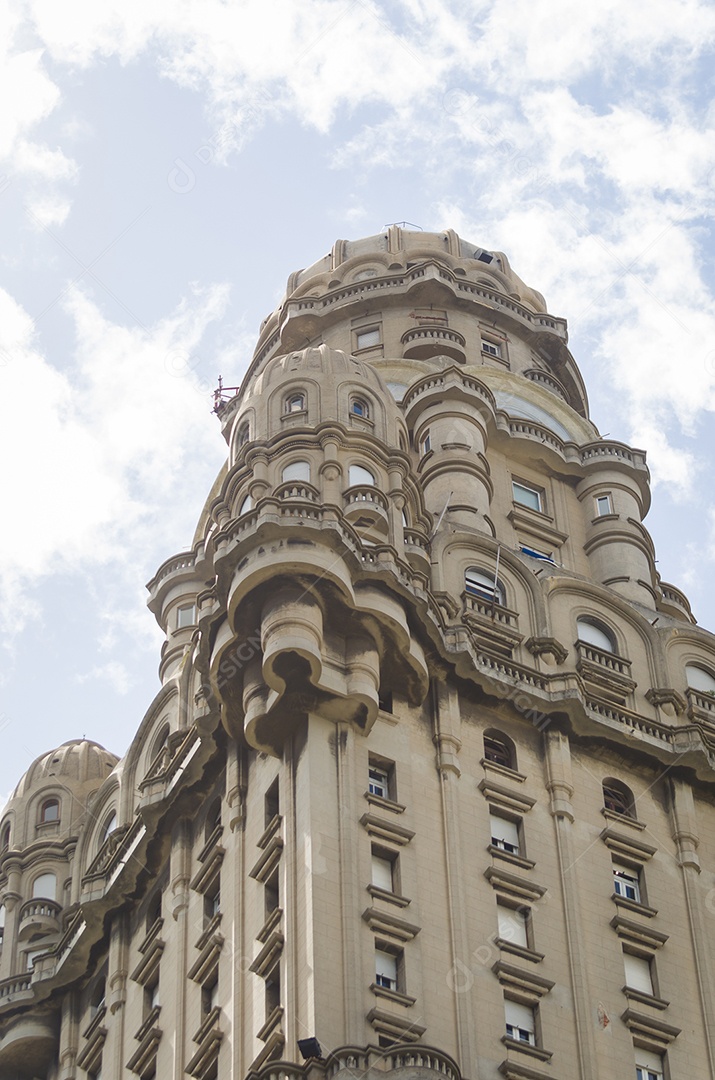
(77, 761)
(320, 361)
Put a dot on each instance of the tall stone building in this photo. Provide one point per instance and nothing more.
(427, 789)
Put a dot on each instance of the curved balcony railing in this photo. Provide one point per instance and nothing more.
(423, 341)
(297, 489)
(542, 378)
(18, 984)
(39, 917)
(363, 496)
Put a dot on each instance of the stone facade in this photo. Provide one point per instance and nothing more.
(427, 789)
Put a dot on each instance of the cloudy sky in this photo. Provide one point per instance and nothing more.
(166, 165)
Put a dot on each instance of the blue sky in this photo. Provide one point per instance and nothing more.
(165, 166)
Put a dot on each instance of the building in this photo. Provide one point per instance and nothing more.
(427, 789)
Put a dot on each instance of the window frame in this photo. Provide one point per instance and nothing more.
(491, 348)
(181, 610)
(602, 628)
(296, 479)
(364, 332)
(47, 804)
(359, 407)
(397, 955)
(538, 492)
(295, 403)
(503, 844)
(495, 593)
(533, 1031)
(628, 874)
(499, 739)
(605, 498)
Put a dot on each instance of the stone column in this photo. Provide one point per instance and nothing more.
(685, 834)
(179, 878)
(560, 787)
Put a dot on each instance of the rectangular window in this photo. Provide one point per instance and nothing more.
(272, 802)
(639, 975)
(512, 925)
(273, 990)
(520, 1022)
(386, 969)
(603, 505)
(381, 778)
(505, 834)
(383, 876)
(626, 882)
(426, 444)
(185, 616)
(367, 338)
(649, 1066)
(527, 496)
(491, 348)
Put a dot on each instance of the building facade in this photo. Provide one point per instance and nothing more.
(428, 787)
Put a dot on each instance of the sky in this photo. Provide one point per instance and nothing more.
(165, 165)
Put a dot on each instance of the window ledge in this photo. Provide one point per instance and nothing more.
(515, 860)
(633, 905)
(388, 897)
(527, 1048)
(645, 999)
(623, 819)
(386, 804)
(393, 995)
(519, 950)
(503, 770)
(301, 414)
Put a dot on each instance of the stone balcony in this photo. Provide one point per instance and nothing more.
(39, 917)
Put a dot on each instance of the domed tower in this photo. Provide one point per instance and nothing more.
(39, 830)
(428, 785)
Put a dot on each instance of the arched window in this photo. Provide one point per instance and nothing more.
(160, 741)
(108, 828)
(359, 407)
(297, 470)
(699, 679)
(5, 841)
(499, 749)
(246, 505)
(50, 810)
(243, 435)
(357, 474)
(295, 403)
(595, 633)
(479, 583)
(618, 798)
(45, 887)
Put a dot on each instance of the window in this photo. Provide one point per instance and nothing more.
(357, 474)
(273, 990)
(383, 869)
(504, 834)
(2, 922)
(50, 811)
(213, 819)
(479, 583)
(386, 969)
(96, 1001)
(209, 993)
(699, 679)
(359, 407)
(639, 974)
(618, 798)
(185, 616)
(626, 882)
(513, 925)
(527, 496)
(5, 842)
(212, 902)
(649, 1066)
(491, 348)
(246, 505)
(603, 505)
(426, 443)
(151, 997)
(271, 894)
(378, 781)
(45, 887)
(499, 750)
(109, 827)
(243, 434)
(271, 802)
(595, 633)
(297, 470)
(366, 339)
(295, 403)
(520, 1022)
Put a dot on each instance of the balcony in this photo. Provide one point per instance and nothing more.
(605, 674)
(422, 342)
(365, 507)
(39, 917)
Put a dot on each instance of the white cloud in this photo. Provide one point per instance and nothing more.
(100, 454)
(112, 672)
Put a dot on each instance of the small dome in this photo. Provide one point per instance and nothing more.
(321, 361)
(79, 760)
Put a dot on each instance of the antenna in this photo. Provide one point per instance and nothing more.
(439, 519)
